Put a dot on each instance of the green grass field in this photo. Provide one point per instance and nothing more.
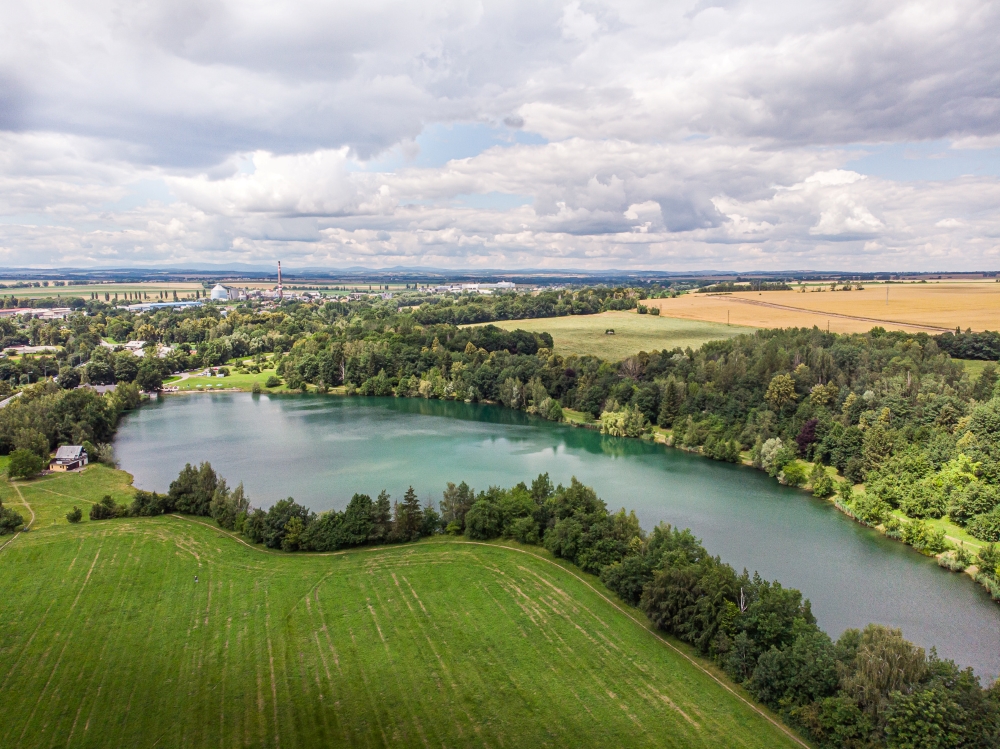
(241, 381)
(584, 334)
(109, 641)
(973, 366)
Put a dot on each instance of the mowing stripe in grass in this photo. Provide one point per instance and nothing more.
(616, 604)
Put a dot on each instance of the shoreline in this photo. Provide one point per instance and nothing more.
(664, 438)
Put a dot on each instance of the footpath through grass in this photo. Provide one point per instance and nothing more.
(108, 640)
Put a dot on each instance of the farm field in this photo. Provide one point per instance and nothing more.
(152, 289)
(110, 641)
(584, 334)
(914, 307)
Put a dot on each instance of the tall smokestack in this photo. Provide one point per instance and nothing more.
(280, 294)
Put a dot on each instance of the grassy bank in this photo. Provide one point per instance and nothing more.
(109, 640)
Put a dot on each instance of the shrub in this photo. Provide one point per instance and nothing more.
(24, 464)
(951, 562)
(10, 521)
(524, 530)
(823, 486)
(770, 453)
(976, 499)
(256, 388)
(148, 504)
(106, 509)
(483, 521)
(793, 474)
(272, 382)
(845, 490)
(923, 502)
(854, 471)
(821, 482)
(75, 515)
(870, 510)
(628, 422)
(922, 537)
(988, 560)
(986, 527)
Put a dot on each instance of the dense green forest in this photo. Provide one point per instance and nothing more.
(473, 308)
(870, 688)
(890, 410)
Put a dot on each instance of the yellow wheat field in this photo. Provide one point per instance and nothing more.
(928, 307)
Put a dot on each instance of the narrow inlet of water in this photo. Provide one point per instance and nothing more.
(321, 450)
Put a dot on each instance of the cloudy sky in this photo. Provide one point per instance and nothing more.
(657, 135)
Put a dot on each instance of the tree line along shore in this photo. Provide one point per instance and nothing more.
(887, 425)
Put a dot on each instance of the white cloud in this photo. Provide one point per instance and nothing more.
(688, 134)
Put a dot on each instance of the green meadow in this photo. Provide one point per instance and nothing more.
(585, 335)
(168, 632)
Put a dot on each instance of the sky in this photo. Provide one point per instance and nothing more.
(704, 134)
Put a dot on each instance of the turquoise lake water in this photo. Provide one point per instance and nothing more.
(321, 450)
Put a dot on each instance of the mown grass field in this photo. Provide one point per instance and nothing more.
(109, 641)
(584, 334)
(944, 305)
(241, 381)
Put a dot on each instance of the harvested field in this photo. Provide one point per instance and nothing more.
(585, 334)
(914, 307)
(110, 641)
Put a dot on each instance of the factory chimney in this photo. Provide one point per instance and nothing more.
(280, 295)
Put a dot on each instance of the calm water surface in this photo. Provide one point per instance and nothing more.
(321, 450)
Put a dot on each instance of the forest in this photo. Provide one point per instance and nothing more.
(891, 411)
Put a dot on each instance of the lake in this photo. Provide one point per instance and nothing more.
(322, 449)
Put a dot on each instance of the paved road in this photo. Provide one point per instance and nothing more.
(5, 401)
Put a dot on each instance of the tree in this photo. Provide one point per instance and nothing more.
(410, 517)
(483, 521)
(822, 484)
(431, 521)
(884, 663)
(226, 506)
(877, 448)
(75, 515)
(106, 509)
(69, 377)
(33, 440)
(10, 520)
(126, 366)
(293, 533)
(455, 503)
(627, 422)
(987, 381)
(928, 719)
(150, 376)
(193, 489)
(780, 392)
(276, 522)
(24, 464)
(381, 517)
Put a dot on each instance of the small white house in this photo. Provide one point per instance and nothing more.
(69, 458)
